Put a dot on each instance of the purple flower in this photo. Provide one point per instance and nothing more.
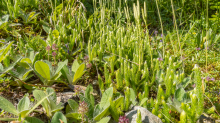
(86, 57)
(89, 65)
(66, 45)
(54, 54)
(83, 107)
(207, 78)
(77, 89)
(48, 48)
(161, 40)
(161, 35)
(198, 48)
(212, 79)
(54, 47)
(160, 59)
(123, 119)
(194, 85)
(183, 58)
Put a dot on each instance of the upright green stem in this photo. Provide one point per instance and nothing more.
(177, 32)
(161, 24)
(207, 34)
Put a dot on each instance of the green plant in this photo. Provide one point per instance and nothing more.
(23, 108)
(47, 73)
(96, 113)
(3, 70)
(27, 18)
(76, 72)
(50, 106)
(138, 119)
(58, 117)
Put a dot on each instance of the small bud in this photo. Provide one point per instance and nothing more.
(208, 78)
(83, 108)
(89, 65)
(160, 116)
(183, 117)
(160, 59)
(54, 47)
(212, 79)
(54, 54)
(198, 48)
(123, 119)
(48, 48)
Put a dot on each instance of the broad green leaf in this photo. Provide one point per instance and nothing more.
(41, 78)
(104, 120)
(89, 90)
(174, 105)
(39, 95)
(118, 101)
(80, 71)
(66, 74)
(46, 29)
(8, 119)
(30, 53)
(113, 111)
(132, 96)
(179, 94)
(37, 57)
(55, 107)
(3, 54)
(100, 112)
(53, 100)
(42, 42)
(50, 66)
(23, 113)
(7, 106)
(26, 74)
(21, 72)
(53, 97)
(1, 67)
(74, 105)
(23, 104)
(58, 117)
(55, 77)
(6, 61)
(29, 87)
(59, 8)
(5, 18)
(74, 115)
(143, 101)
(88, 94)
(185, 82)
(32, 15)
(12, 65)
(61, 65)
(105, 98)
(43, 69)
(33, 120)
(68, 109)
(75, 66)
(38, 103)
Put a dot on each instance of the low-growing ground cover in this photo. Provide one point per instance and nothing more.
(158, 54)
